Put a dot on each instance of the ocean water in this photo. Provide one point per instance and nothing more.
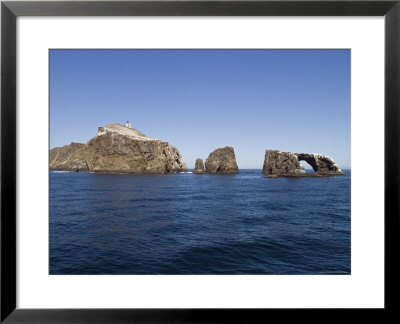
(198, 224)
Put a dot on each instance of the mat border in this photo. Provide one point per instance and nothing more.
(10, 10)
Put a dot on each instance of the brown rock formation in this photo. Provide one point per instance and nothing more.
(222, 160)
(68, 157)
(321, 164)
(281, 163)
(199, 166)
(278, 163)
(117, 148)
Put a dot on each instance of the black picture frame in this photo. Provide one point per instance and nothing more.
(10, 10)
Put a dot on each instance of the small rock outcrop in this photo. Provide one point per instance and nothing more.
(199, 166)
(222, 160)
(278, 163)
(117, 148)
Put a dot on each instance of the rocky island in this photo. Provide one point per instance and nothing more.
(118, 148)
(222, 161)
(287, 164)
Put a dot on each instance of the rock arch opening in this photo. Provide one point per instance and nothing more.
(321, 164)
(278, 163)
(306, 166)
(308, 160)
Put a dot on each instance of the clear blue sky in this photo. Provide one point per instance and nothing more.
(199, 100)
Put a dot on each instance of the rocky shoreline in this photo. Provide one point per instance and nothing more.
(121, 149)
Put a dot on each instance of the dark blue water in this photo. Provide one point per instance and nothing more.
(199, 224)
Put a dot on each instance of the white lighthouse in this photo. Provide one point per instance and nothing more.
(128, 124)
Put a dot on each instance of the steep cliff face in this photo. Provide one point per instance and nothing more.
(278, 163)
(117, 148)
(222, 160)
(68, 157)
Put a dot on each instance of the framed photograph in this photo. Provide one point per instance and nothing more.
(198, 161)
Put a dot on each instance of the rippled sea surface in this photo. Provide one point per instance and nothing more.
(198, 224)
